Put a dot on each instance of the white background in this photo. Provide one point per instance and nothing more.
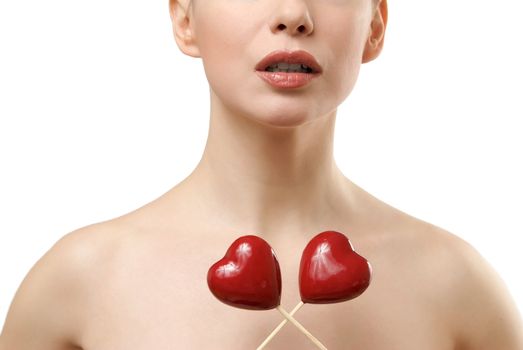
(100, 113)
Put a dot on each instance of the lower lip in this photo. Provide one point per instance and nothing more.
(287, 80)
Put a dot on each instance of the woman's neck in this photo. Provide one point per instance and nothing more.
(267, 178)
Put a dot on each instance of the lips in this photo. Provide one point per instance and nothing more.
(290, 57)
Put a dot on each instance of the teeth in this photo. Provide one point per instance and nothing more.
(286, 67)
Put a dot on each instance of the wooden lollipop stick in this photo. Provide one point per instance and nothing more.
(280, 326)
(301, 328)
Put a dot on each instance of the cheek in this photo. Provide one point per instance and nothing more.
(223, 31)
(222, 41)
(345, 48)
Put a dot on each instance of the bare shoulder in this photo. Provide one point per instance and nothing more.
(482, 304)
(46, 311)
(470, 295)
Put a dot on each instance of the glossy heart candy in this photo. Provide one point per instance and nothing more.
(248, 276)
(331, 271)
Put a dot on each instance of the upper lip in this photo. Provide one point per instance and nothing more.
(297, 57)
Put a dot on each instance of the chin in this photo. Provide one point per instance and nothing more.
(274, 113)
(282, 117)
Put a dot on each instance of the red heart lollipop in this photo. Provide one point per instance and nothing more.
(248, 276)
(331, 271)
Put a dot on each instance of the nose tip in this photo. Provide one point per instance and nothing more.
(295, 19)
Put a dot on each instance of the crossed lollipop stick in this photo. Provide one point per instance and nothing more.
(298, 325)
(249, 277)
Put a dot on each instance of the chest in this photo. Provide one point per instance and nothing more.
(165, 306)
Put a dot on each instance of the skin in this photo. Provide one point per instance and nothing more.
(138, 281)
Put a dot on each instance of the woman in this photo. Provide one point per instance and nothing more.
(138, 281)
